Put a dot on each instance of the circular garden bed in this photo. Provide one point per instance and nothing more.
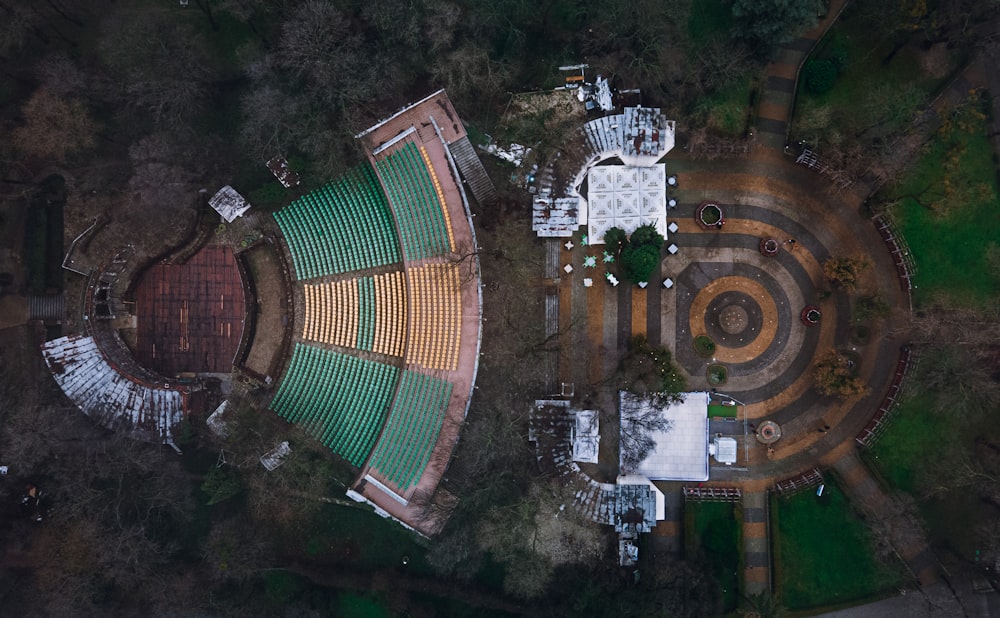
(811, 315)
(704, 346)
(717, 375)
(769, 247)
(709, 216)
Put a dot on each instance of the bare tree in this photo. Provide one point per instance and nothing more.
(835, 376)
(53, 127)
(640, 419)
(162, 67)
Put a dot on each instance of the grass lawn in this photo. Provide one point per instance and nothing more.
(823, 553)
(712, 531)
(880, 84)
(949, 245)
(909, 456)
(717, 410)
(355, 535)
(728, 111)
(901, 452)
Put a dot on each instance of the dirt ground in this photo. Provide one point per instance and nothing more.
(270, 312)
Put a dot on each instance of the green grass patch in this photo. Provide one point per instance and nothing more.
(351, 605)
(949, 231)
(704, 346)
(712, 532)
(823, 552)
(717, 374)
(361, 537)
(901, 453)
(717, 410)
(727, 111)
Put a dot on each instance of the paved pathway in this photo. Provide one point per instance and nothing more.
(774, 112)
(756, 545)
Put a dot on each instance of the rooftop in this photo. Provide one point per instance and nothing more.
(681, 451)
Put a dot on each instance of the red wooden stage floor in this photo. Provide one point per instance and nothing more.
(190, 316)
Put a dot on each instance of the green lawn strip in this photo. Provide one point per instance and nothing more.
(823, 552)
(717, 410)
(712, 531)
(901, 453)
(949, 247)
(363, 538)
(352, 605)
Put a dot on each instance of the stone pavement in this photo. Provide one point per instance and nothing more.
(756, 543)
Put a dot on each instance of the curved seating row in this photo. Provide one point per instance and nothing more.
(118, 402)
(440, 194)
(420, 215)
(390, 314)
(435, 318)
(340, 400)
(332, 313)
(342, 227)
(405, 448)
(367, 313)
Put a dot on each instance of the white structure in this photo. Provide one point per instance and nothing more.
(275, 457)
(625, 197)
(586, 436)
(639, 136)
(681, 451)
(119, 402)
(229, 203)
(216, 423)
(724, 450)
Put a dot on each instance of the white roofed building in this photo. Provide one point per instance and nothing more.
(627, 198)
(229, 203)
(680, 452)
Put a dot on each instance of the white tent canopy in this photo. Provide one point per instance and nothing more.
(627, 198)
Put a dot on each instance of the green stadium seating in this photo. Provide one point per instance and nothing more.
(341, 400)
(342, 227)
(415, 419)
(422, 227)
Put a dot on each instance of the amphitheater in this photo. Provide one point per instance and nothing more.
(375, 292)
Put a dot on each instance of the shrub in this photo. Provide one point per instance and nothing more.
(704, 346)
(640, 262)
(819, 76)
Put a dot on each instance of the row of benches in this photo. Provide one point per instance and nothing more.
(390, 314)
(419, 213)
(435, 324)
(901, 255)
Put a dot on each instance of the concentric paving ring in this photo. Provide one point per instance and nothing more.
(724, 291)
